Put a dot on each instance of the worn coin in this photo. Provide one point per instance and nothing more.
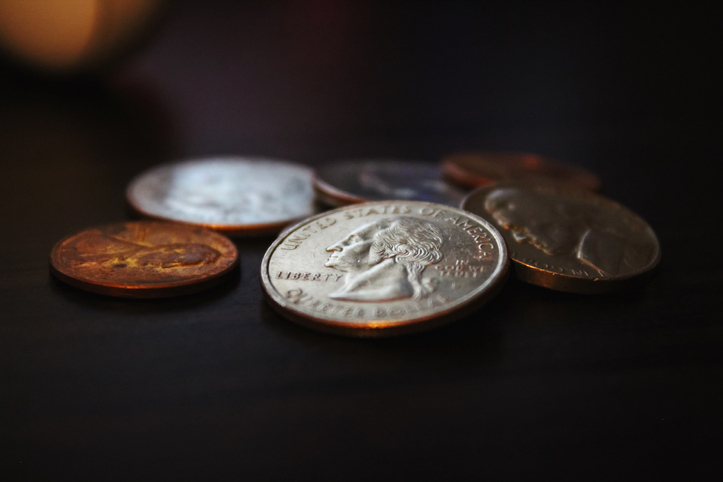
(475, 169)
(384, 268)
(357, 181)
(143, 259)
(236, 195)
(566, 238)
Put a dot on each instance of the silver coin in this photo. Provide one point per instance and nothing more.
(567, 238)
(384, 268)
(236, 195)
(356, 181)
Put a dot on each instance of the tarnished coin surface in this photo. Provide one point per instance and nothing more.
(357, 181)
(568, 239)
(235, 195)
(384, 268)
(143, 259)
(475, 169)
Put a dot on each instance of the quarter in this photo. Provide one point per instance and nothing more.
(384, 268)
(357, 181)
(475, 169)
(566, 238)
(235, 195)
(143, 259)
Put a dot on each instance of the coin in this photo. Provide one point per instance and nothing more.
(357, 181)
(384, 268)
(235, 195)
(475, 169)
(143, 259)
(567, 238)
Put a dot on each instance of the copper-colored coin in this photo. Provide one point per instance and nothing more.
(143, 259)
(567, 238)
(238, 196)
(475, 169)
(384, 268)
(358, 181)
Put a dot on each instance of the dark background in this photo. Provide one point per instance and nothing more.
(536, 385)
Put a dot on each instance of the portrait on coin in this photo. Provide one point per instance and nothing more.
(384, 260)
(97, 249)
(559, 227)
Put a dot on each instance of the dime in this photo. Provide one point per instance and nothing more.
(475, 169)
(238, 196)
(357, 181)
(566, 238)
(143, 259)
(384, 268)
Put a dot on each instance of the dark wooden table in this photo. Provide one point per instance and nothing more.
(536, 385)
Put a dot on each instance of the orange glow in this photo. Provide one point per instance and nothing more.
(49, 32)
(65, 34)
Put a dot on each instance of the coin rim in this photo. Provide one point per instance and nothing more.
(233, 230)
(336, 197)
(141, 291)
(461, 307)
(570, 283)
(331, 195)
(464, 177)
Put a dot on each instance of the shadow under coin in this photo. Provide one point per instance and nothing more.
(228, 284)
(538, 305)
(471, 341)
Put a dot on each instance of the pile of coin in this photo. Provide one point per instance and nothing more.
(407, 248)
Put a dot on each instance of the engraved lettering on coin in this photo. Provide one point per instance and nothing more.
(384, 268)
(384, 260)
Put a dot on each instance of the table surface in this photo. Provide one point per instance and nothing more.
(537, 384)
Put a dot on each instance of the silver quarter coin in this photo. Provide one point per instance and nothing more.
(384, 268)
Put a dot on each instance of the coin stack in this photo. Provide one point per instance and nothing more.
(408, 247)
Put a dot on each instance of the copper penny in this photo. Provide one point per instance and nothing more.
(567, 238)
(143, 259)
(384, 268)
(356, 181)
(238, 196)
(475, 169)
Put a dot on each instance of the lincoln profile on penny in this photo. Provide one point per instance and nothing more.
(97, 249)
(561, 228)
(384, 260)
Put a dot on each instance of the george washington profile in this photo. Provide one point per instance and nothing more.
(384, 260)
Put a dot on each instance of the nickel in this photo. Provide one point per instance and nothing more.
(568, 239)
